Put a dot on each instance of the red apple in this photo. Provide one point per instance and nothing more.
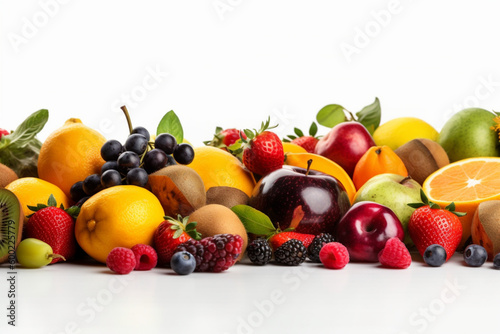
(345, 144)
(365, 229)
(310, 201)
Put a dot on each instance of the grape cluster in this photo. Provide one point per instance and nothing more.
(132, 162)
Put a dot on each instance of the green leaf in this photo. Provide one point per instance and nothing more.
(298, 132)
(52, 201)
(170, 123)
(459, 214)
(29, 128)
(249, 133)
(313, 130)
(450, 207)
(331, 115)
(292, 137)
(370, 116)
(191, 226)
(285, 140)
(416, 205)
(255, 222)
(177, 234)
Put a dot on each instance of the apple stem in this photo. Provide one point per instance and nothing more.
(405, 179)
(129, 121)
(309, 162)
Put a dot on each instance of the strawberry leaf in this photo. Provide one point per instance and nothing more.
(177, 234)
(191, 226)
(450, 207)
(459, 214)
(52, 201)
(416, 205)
(292, 137)
(255, 222)
(73, 211)
(313, 129)
(298, 132)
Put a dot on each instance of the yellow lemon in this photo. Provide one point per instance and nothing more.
(220, 168)
(399, 131)
(121, 216)
(32, 191)
(70, 154)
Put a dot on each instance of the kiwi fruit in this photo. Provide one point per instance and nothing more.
(227, 196)
(7, 175)
(11, 220)
(179, 188)
(485, 228)
(215, 219)
(422, 157)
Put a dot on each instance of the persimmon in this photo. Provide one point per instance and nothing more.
(377, 160)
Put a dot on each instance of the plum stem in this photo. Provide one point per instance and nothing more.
(129, 121)
(309, 162)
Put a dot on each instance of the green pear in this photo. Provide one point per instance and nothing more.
(469, 134)
(394, 191)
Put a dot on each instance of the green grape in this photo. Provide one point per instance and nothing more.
(34, 253)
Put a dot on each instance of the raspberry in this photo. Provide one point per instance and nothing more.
(315, 247)
(334, 255)
(145, 257)
(121, 260)
(259, 251)
(213, 254)
(395, 254)
(291, 253)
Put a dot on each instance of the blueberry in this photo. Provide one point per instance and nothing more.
(183, 263)
(496, 261)
(435, 255)
(475, 255)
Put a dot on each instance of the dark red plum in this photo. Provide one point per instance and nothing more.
(311, 202)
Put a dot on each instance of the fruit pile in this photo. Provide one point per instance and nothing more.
(362, 192)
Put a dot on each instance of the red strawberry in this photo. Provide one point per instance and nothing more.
(263, 153)
(170, 234)
(225, 138)
(280, 238)
(55, 226)
(306, 142)
(429, 224)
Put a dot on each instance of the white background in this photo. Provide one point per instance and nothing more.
(234, 65)
(234, 62)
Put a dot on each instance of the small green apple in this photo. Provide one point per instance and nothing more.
(394, 191)
(468, 134)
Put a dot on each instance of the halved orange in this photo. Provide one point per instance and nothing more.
(468, 183)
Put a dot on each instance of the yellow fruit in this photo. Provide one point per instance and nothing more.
(293, 148)
(32, 191)
(121, 216)
(399, 131)
(467, 183)
(220, 168)
(70, 154)
(323, 165)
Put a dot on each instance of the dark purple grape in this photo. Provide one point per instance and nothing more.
(92, 184)
(155, 160)
(111, 178)
(170, 161)
(110, 165)
(142, 131)
(136, 143)
(166, 142)
(184, 154)
(137, 177)
(129, 159)
(111, 150)
(77, 192)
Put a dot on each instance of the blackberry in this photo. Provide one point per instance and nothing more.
(259, 251)
(317, 244)
(213, 254)
(291, 253)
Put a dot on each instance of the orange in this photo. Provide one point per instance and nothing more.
(220, 168)
(293, 148)
(32, 191)
(121, 216)
(377, 160)
(70, 154)
(468, 183)
(324, 165)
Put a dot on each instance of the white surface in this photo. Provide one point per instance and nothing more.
(361, 298)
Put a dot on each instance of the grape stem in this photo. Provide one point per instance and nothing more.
(129, 121)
